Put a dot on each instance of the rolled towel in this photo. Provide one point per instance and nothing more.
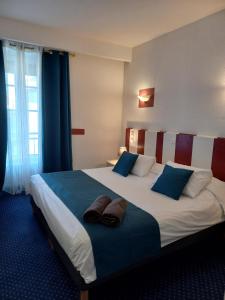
(94, 213)
(114, 212)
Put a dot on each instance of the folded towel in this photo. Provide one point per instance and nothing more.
(114, 212)
(94, 212)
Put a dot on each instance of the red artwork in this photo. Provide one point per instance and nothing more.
(77, 131)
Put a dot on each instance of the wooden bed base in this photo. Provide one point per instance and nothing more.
(84, 295)
(216, 231)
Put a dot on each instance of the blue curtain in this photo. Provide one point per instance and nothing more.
(3, 119)
(56, 115)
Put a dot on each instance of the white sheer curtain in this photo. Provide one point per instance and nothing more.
(23, 71)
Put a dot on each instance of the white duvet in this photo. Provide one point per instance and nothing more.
(176, 219)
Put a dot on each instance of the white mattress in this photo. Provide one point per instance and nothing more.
(176, 219)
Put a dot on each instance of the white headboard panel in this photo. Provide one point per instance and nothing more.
(169, 144)
(202, 151)
(150, 142)
(134, 140)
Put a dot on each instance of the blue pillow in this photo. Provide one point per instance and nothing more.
(172, 182)
(125, 163)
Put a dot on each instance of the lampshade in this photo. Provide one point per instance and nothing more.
(144, 98)
(122, 149)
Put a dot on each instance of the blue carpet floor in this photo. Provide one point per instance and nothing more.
(29, 270)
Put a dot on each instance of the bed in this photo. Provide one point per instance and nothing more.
(180, 223)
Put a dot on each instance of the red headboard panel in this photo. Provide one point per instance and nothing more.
(218, 160)
(159, 147)
(127, 138)
(183, 152)
(141, 141)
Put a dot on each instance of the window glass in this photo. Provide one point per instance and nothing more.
(32, 98)
(33, 122)
(10, 79)
(11, 97)
(31, 81)
(33, 144)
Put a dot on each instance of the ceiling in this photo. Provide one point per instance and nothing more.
(123, 22)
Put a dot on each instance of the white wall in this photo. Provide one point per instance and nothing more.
(187, 69)
(96, 96)
(62, 39)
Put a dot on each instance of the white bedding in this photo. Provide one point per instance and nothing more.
(176, 219)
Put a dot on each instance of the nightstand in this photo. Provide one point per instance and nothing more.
(111, 162)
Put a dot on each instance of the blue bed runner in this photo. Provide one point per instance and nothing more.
(137, 237)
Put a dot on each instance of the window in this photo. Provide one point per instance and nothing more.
(32, 96)
(22, 67)
(11, 99)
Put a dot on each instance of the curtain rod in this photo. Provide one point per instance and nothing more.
(48, 50)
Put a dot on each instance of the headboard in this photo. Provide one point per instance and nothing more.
(188, 149)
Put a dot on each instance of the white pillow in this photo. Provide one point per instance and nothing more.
(217, 188)
(198, 180)
(143, 165)
(157, 168)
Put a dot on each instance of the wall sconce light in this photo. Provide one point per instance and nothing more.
(121, 150)
(146, 97)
